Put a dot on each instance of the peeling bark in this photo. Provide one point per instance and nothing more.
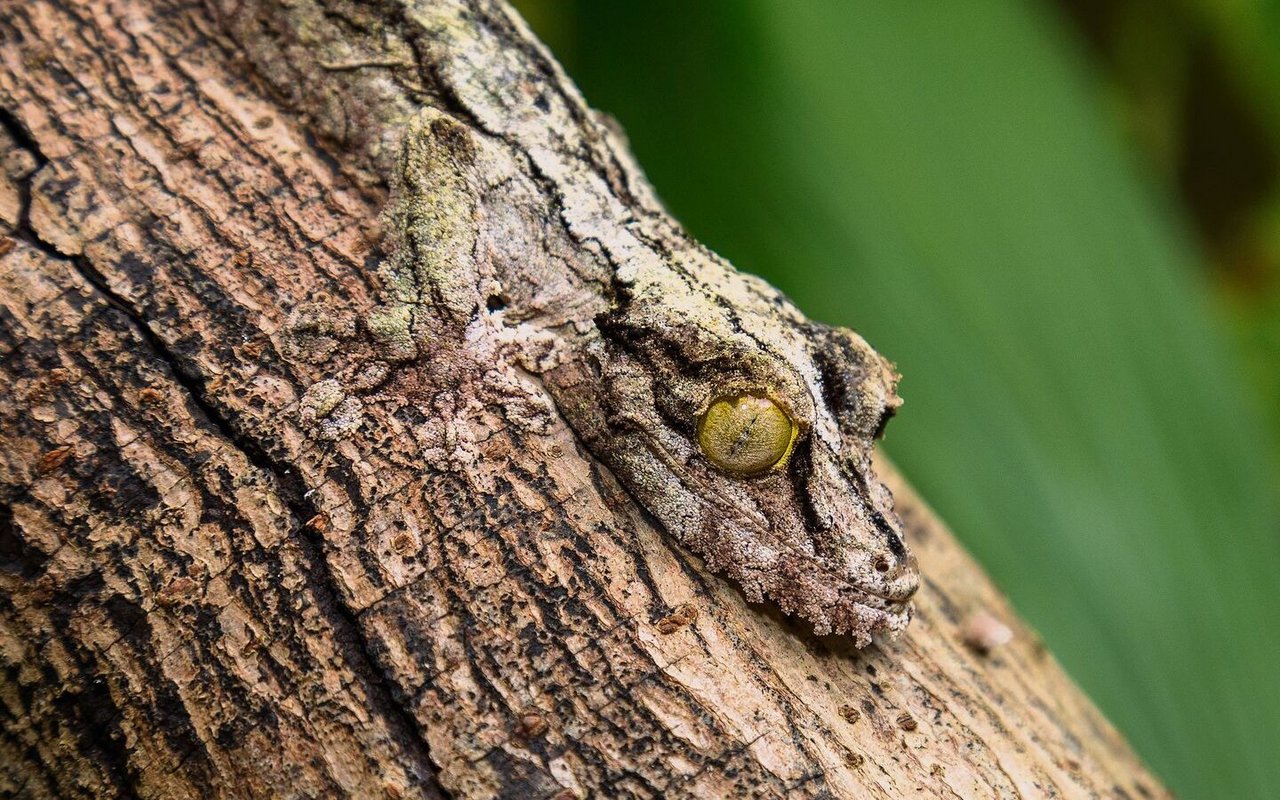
(205, 593)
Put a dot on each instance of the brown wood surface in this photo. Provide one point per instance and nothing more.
(205, 593)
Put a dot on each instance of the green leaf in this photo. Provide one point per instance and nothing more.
(940, 177)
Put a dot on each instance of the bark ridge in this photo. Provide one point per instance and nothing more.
(212, 585)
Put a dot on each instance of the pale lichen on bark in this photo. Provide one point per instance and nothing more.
(297, 501)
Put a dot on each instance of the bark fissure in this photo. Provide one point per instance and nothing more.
(281, 476)
(439, 590)
(23, 140)
(301, 513)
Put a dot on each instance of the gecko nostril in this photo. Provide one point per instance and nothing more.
(882, 564)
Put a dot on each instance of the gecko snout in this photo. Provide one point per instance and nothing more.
(901, 576)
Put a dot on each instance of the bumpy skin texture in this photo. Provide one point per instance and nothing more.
(817, 535)
(634, 355)
(275, 527)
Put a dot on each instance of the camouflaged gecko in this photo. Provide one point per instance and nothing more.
(745, 429)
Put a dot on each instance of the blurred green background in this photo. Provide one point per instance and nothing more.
(1062, 221)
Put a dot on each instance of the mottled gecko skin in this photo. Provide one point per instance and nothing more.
(635, 353)
(817, 534)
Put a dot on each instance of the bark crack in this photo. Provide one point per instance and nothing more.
(312, 546)
(23, 140)
(311, 543)
(223, 159)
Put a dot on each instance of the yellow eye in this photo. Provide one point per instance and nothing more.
(746, 434)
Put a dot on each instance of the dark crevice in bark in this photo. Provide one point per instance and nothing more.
(312, 546)
(23, 140)
(538, 597)
(292, 492)
(90, 704)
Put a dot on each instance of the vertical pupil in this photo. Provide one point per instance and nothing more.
(746, 433)
(745, 436)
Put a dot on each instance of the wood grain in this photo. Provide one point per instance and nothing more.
(205, 593)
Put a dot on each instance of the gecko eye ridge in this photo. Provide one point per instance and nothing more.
(746, 434)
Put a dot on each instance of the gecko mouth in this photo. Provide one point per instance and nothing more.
(893, 598)
(876, 601)
(893, 602)
(891, 606)
(862, 614)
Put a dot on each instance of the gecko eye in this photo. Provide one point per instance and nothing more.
(746, 434)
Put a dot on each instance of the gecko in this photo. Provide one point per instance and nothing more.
(744, 428)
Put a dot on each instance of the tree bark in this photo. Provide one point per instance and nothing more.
(206, 593)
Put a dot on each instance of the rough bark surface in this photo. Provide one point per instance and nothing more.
(218, 581)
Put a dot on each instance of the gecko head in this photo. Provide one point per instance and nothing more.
(747, 430)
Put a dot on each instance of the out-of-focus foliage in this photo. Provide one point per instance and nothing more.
(950, 180)
(1196, 86)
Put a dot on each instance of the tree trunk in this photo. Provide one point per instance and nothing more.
(227, 573)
